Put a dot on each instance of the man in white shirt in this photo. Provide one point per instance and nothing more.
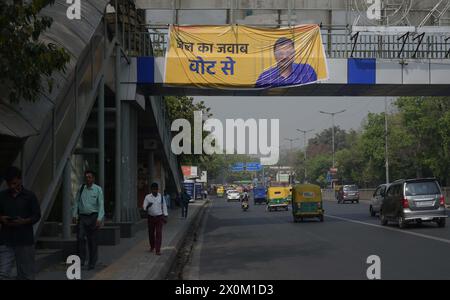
(156, 208)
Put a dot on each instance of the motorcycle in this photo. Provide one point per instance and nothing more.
(244, 205)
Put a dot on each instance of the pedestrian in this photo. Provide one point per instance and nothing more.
(167, 199)
(156, 209)
(19, 211)
(205, 194)
(88, 213)
(185, 198)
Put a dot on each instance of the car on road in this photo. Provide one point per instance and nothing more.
(414, 200)
(233, 195)
(377, 199)
(348, 192)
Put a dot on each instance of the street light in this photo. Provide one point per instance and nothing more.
(304, 141)
(332, 127)
(290, 154)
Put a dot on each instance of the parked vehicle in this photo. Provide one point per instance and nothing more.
(348, 193)
(259, 195)
(189, 186)
(307, 202)
(233, 195)
(419, 200)
(377, 199)
(198, 191)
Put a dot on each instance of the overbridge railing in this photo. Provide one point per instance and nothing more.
(337, 44)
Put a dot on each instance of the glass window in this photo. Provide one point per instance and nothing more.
(352, 188)
(422, 188)
(377, 192)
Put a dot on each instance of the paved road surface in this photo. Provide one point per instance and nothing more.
(260, 245)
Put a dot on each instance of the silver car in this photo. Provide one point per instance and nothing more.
(377, 199)
(414, 200)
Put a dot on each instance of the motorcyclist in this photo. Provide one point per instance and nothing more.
(245, 199)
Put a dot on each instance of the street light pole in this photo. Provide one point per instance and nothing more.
(332, 128)
(290, 154)
(386, 140)
(304, 152)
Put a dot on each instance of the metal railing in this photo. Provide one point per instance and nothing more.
(342, 44)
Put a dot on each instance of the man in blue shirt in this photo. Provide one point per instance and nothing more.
(19, 211)
(286, 73)
(88, 212)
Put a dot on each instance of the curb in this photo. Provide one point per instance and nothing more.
(163, 267)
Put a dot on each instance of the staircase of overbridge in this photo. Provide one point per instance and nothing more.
(41, 136)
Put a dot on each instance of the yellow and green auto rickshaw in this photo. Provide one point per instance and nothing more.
(220, 191)
(307, 202)
(277, 197)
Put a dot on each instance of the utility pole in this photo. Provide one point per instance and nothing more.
(332, 114)
(306, 147)
(386, 153)
(290, 155)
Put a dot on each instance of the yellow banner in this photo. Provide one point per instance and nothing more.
(244, 57)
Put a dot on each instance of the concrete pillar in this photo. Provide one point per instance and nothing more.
(67, 201)
(118, 154)
(163, 178)
(151, 169)
(101, 134)
(129, 210)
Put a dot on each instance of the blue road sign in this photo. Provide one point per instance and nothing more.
(254, 166)
(237, 167)
(329, 177)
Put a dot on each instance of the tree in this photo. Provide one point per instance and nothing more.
(25, 61)
(184, 108)
(426, 119)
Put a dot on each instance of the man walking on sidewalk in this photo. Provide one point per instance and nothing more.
(156, 209)
(88, 212)
(19, 211)
(185, 198)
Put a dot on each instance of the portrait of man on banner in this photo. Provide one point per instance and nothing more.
(286, 72)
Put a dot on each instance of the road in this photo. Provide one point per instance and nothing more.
(237, 245)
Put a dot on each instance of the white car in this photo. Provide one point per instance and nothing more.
(233, 196)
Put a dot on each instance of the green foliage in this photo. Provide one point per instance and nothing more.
(418, 146)
(183, 108)
(25, 61)
(218, 166)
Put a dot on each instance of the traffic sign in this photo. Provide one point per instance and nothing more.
(237, 167)
(329, 177)
(253, 166)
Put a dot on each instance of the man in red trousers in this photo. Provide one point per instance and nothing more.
(156, 208)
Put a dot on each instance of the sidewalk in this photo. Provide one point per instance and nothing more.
(131, 259)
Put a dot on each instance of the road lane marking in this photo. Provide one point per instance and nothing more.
(392, 229)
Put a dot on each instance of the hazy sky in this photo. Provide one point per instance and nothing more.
(297, 112)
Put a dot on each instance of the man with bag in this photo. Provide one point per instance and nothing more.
(156, 208)
(88, 212)
(185, 198)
